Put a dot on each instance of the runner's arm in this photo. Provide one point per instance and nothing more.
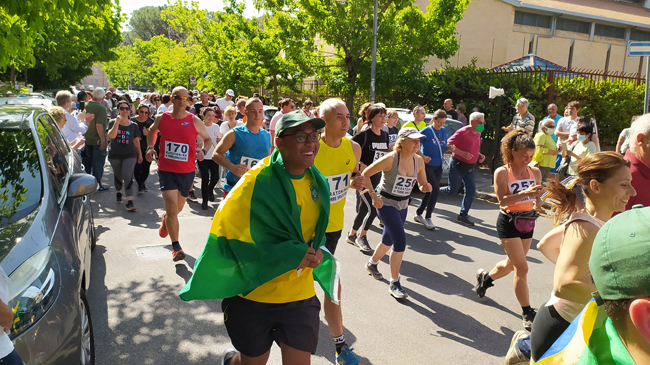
(200, 127)
(112, 133)
(423, 183)
(573, 263)
(358, 181)
(152, 136)
(219, 154)
(538, 181)
(550, 244)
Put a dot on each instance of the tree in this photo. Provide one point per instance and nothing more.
(147, 22)
(405, 37)
(22, 24)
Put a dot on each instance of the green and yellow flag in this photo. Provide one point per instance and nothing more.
(256, 236)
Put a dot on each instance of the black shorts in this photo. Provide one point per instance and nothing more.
(506, 228)
(253, 326)
(332, 240)
(176, 181)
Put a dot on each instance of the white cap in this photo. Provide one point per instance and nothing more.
(381, 105)
(230, 92)
(409, 132)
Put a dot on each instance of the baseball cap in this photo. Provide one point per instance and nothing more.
(230, 92)
(294, 119)
(409, 132)
(620, 257)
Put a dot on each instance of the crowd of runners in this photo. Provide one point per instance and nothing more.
(288, 181)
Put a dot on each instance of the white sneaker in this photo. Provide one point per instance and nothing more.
(419, 218)
(428, 224)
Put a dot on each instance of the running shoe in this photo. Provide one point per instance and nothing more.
(129, 206)
(481, 284)
(428, 224)
(178, 255)
(102, 188)
(362, 242)
(141, 189)
(372, 269)
(118, 198)
(514, 355)
(162, 231)
(227, 355)
(192, 196)
(352, 239)
(419, 218)
(528, 319)
(211, 197)
(204, 205)
(347, 357)
(395, 289)
(464, 220)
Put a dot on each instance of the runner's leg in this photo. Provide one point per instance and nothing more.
(435, 185)
(174, 203)
(516, 249)
(291, 356)
(240, 359)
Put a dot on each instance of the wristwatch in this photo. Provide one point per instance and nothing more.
(204, 152)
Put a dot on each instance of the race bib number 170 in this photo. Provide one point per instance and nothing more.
(338, 187)
(176, 151)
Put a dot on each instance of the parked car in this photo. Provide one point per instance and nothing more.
(29, 99)
(269, 112)
(451, 125)
(406, 115)
(46, 237)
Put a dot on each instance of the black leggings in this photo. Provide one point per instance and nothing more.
(209, 177)
(141, 171)
(434, 174)
(547, 327)
(366, 213)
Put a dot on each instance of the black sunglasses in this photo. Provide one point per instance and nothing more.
(143, 112)
(124, 108)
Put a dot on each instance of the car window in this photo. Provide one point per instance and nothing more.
(56, 155)
(452, 127)
(20, 175)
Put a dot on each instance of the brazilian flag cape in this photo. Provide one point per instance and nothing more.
(590, 339)
(256, 236)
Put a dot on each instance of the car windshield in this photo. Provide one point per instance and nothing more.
(20, 175)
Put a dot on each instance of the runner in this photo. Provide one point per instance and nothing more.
(400, 170)
(141, 171)
(391, 123)
(274, 254)
(374, 145)
(176, 166)
(244, 146)
(209, 169)
(518, 189)
(337, 159)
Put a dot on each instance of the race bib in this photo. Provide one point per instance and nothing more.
(338, 187)
(249, 162)
(379, 154)
(519, 186)
(403, 185)
(176, 151)
(392, 138)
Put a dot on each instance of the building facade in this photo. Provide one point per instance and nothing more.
(97, 78)
(577, 34)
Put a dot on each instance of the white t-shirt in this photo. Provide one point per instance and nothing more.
(223, 104)
(6, 347)
(215, 133)
(274, 121)
(73, 127)
(582, 150)
(225, 128)
(566, 124)
(162, 109)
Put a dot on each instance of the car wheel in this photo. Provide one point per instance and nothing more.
(87, 337)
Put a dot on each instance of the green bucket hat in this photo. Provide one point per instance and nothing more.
(620, 257)
(294, 119)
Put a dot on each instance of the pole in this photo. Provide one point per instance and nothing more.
(373, 68)
(169, 37)
(647, 85)
(497, 135)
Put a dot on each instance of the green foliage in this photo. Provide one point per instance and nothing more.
(147, 22)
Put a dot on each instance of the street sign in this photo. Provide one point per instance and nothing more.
(192, 79)
(639, 49)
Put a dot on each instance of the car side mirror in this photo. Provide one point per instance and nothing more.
(81, 184)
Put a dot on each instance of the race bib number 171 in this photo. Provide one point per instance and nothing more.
(338, 187)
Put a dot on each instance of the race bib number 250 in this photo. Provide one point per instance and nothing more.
(176, 151)
(338, 187)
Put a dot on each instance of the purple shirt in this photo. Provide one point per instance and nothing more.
(468, 140)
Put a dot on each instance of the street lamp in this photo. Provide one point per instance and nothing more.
(496, 93)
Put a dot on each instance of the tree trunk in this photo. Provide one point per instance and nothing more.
(275, 90)
(352, 86)
(12, 76)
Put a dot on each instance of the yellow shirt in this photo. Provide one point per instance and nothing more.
(419, 127)
(293, 286)
(336, 164)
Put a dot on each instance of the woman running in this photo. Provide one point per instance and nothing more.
(363, 117)
(208, 168)
(518, 189)
(433, 149)
(125, 152)
(374, 145)
(400, 170)
(604, 179)
(143, 120)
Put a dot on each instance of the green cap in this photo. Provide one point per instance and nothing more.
(620, 257)
(294, 119)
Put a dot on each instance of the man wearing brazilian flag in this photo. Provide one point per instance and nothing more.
(263, 252)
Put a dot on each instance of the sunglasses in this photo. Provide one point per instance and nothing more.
(156, 99)
(143, 112)
(124, 108)
(183, 98)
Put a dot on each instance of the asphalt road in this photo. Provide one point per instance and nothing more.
(138, 317)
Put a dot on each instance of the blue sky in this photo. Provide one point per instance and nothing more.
(213, 5)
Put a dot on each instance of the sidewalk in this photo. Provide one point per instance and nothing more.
(485, 185)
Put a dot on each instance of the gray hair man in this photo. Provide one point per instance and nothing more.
(523, 120)
(94, 155)
(639, 157)
(465, 146)
(75, 124)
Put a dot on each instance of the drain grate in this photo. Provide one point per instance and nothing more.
(154, 252)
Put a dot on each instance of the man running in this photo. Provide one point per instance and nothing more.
(243, 146)
(337, 158)
(178, 134)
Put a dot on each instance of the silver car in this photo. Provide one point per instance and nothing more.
(46, 235)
